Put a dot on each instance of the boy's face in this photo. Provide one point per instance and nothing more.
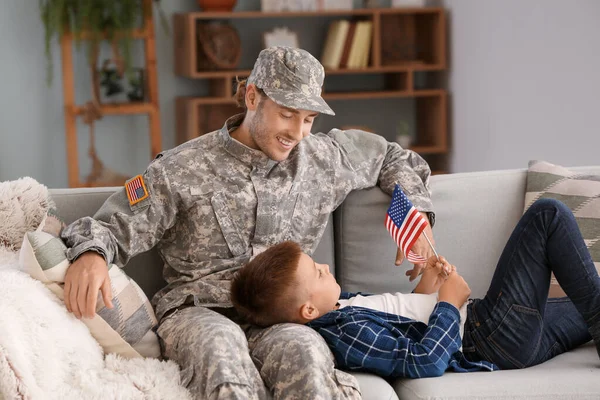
(318, 285)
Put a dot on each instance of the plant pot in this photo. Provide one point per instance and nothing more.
(217, 5)
(404, 141)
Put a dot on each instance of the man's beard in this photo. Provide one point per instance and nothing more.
(258, 131)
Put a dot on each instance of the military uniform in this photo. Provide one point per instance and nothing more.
(212, 204)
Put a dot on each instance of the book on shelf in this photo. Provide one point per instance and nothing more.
(347, 45)
(334, 44)
(361, 45)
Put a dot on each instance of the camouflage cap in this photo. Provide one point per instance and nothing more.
(291, 77)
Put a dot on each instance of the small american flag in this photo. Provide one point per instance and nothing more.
(136, 189)
(405, 223)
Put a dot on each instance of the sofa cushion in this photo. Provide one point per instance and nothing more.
(128, 325)
(579, 191)
(373, 387)
(572, 375)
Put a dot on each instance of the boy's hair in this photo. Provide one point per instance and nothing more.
(261, 290)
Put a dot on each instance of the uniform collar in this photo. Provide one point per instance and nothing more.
(239, 150)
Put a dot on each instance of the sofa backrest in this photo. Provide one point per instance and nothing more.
(146, 268)
(475, 214)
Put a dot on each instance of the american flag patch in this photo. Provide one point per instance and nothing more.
(136, 190)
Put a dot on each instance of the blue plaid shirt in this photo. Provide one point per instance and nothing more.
(389, 345)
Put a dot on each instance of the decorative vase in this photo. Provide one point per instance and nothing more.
(217, 5)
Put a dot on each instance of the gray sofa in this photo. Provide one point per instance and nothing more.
(475, 215)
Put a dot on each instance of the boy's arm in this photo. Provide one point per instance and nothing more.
(379, 348)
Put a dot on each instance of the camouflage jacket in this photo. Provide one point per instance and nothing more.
(214, 203)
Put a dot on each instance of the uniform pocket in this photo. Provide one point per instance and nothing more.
(311, 204)
(226, 223)
(347, 384)
(517, 337)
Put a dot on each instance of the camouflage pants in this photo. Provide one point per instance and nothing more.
(219, 360)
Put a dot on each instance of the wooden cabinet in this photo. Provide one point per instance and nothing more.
(407, 60)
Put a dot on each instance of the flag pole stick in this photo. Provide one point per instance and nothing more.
(435, 252)
(430, 245)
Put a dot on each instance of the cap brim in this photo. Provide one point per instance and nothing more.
(299, 101)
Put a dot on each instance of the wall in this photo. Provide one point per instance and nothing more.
(523, 78)
(32, 135)
(524, 81)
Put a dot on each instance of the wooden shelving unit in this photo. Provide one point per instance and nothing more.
(150, 107)
(425, 27)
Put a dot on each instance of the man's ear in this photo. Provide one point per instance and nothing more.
(308, 311)
(252, 97)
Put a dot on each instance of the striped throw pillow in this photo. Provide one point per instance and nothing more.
(127, 329)
(580, 192)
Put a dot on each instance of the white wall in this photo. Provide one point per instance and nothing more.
(525, 82)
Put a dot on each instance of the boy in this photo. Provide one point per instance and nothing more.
(420, 334)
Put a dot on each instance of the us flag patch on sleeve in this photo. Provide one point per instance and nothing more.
(136, 190)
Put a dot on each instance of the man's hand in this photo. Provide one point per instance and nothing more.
(434, 275)
(455, 290)
(87, 275)
(420, 247)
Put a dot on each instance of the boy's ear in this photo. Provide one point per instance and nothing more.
(308, 311)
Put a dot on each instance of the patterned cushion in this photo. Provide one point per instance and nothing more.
(580, 192)
(127, 328)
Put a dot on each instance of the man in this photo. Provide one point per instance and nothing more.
(214, 202)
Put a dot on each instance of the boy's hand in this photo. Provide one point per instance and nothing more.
(434, 275)
(420, 247)
(455, 290)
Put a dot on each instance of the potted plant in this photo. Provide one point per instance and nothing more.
(403, 136)
(112, 20)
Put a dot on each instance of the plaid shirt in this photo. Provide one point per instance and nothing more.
(389, 345)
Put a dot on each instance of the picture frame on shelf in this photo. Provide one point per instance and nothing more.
(289, 5)
(281, 36)
(270, 5)
(408, 3)
(335, 4)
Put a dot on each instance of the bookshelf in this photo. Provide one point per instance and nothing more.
(405, 45)
(149, 107)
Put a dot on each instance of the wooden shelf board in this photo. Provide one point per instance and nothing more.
(331, 96)
(405, 67)
(121, 109)
(429, 149)
(323, 13)
(385, 94)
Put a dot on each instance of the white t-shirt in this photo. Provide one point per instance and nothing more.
(412, 305)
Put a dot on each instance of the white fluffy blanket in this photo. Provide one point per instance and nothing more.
(45, 352)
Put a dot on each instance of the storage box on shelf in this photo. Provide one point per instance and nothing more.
(403, 43)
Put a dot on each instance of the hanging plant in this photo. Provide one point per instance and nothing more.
(92, 21)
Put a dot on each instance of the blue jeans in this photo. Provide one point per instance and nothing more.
(515, 325)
